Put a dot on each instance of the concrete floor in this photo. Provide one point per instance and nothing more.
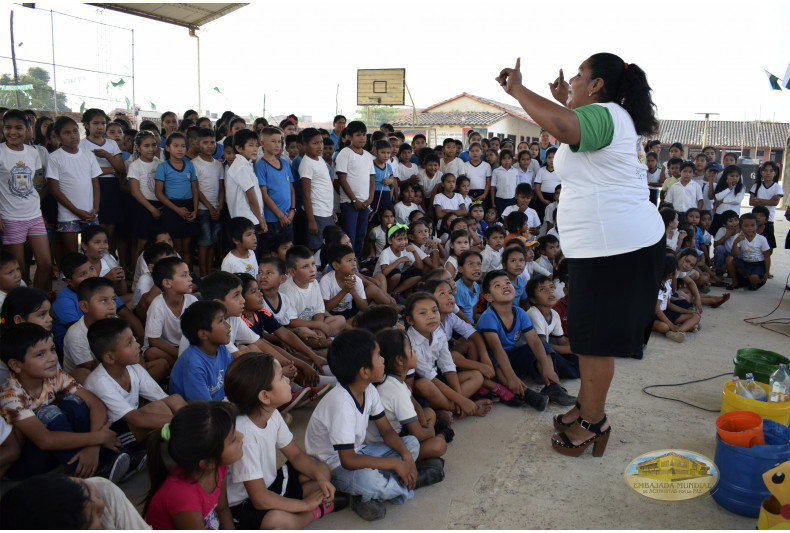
(501, 472)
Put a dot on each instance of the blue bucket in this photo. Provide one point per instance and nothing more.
(741, 488)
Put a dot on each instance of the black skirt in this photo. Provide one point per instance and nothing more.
(179, 227)
(612, 301)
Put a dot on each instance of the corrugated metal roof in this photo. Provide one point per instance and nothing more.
(507, 108)
(751, 134)
(188, 15)
(460, 118)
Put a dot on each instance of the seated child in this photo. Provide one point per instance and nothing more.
(342, 289)
(189, 489)
(121, 383)
(724, 238)
(673, 318)
(492, 253)
(61, 422)
(377, 237)
(163, 328)
(27, 304)
(550, 214)
(420, 236)
(158, 234)
(470, 271)
(502, 326)
(10, 274)
(400, 264)
(524, 195)
(516, 225)
(145, 290)
(406, 205)
(691, 277)
(459, 243)
(260, 495)
(375, 319)
(370, 473)
(95, 243)
(750, 259)
(548, 247)
(242, 257)
(514, 262)
(546, 321)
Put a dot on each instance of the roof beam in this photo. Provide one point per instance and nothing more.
(209, 15)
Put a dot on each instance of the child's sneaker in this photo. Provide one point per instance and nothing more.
(370, 510)
(429, 472)
(316, 393)
(112, 465)
(677, 336)
(535, 400)
(441, 427)
(296, 398)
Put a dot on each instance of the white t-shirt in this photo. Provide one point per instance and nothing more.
(402, 211)
(162, 324)
(505, 182)
(239, 179)
(119, 513)
(431, 354)
(492, 259)
(339, 422)
(654, 177)
(210, 176)
(283, 313)
(379, 239)
(145, 173)
(322, 193)
(19, 199)
(118, 400)
(719, 235)
(766, 193)
(143, 285)
(303, 303)
(109, 146)
(447, 203)
(606, 208)
(548, 180)
(477, 174)
(553, 327)
(753, 251)
(76, 350)
(452, 323)
(358, 169)
(238, 265)
(74, 174)
(664, 294)
(456, 167)
(427, 183)
(259, 460)
(406, 172)
(684, 197)
(388, 257)
(533, 220)
(396, 399)
(526, 176)
(330, 289)
(108, 262)
(730, 200)
(548, 217)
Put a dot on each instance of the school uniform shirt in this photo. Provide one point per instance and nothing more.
(239, 334)
(322, 193)
(358, 169)
(447, 203)
(730, 200)
(533, 220)
(753, 251)
(110, 146)
(505, 182)
(199, 376)
(664, 294)
(379, 239)
(210, 176)
(406, 172)
(477, 174)
(509, 338)
(177, 183)
(19, 200)
(492, 259)
(467, 298)
(380, 175)
(672, 240)
(525, 176)
(259, 461)
(605, 169)
(239, 179)
(145, 173)
(544, 328)
(431, 354)
(330, 289)
(118, 400)
(548, 217)
(144, 284)
(452, 323)
(451, 261)
(707, 203)
(388, 256)
(161, 323)
(520, 285)
(66, 308)
(456, 167)
(545, 263)
(402, 212)
(429, 183)
(278, 182)
(719, 235)
(303, 303)
(238, 265)
(76, 350)
(281, 311)
(180, 493)
(17, 404)
(668, 183)
(339, 422)
(74, 174)
(393, 162)
(766, 193)
(684, 197)
(396, 399)
(548, 180)
(654, 177)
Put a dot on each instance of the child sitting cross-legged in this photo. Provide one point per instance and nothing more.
(470, 271)
(503, 325)
(673, 317)
(342, 289)
(121, 383)
(400, 264)
(260, 495)
(370, 473)
(688, 259)
(492, 253)
(61, 422)
(242, 257)
(546, 321)
(749, 262)
(459, 243)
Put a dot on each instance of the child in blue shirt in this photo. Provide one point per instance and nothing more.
(275, 177)
(384, 181)
(199, 372)
(470, 269)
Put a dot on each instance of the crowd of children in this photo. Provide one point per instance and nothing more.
(217, 276)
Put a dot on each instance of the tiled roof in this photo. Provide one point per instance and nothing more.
(515, 111)
(461, 118)
(725, 133)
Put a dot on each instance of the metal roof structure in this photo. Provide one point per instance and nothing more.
(191, 16)
(749, 134)
(452, 118)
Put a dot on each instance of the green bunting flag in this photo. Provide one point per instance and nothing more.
(217, 89)
(118, 83)
(153, 105)
(774, 81)
(252, 118)
(128, 103)
(82, 107)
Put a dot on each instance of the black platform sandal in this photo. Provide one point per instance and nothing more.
(559, 425)
(566, 447)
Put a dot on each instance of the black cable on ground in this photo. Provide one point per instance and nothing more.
(774, 321)
(644, 389)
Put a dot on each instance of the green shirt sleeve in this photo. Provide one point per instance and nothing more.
(597, 128)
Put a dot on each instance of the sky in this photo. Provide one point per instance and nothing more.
(700, 56)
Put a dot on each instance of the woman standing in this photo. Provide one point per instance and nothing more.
(608, 226)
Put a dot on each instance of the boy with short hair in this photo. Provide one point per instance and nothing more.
(750, 258)
(337, 429)
(242, 257)
(418, 142)
(10, 274)
(385, 184)
(450, 164)
(504, 182)
(673, 168)
(211, 195)
(492, 253)
(317, 191)
(686, 193)
(120, 382)
(275, 178)
(280, 245)
(524, 195)
(356, 176)
(291, 147)
(342, 289)
(430, 176)
(654, 180)
(54, 413)
(305, 300)
(242, 191)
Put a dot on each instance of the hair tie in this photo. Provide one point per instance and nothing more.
(166, 431)
(625, 65)
(396, 227)
(476, 202)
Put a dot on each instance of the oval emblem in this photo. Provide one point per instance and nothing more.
(671, 475)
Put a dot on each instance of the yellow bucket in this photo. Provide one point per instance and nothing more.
(776, 411)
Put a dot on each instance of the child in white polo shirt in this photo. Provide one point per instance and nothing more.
(748, 262)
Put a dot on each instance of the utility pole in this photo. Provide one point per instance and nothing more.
(13, 60)
(705, 129)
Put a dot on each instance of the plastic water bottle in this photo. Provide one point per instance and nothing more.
(780, 385)
(758, 393)
(740, 390)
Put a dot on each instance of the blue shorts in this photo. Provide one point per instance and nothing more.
(756, 268)
(314, 242)
(209, 229)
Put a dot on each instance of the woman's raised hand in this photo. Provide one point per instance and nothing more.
(510, 78)
(559, 89)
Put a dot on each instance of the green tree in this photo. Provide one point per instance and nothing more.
(39, 97)
(377, 116)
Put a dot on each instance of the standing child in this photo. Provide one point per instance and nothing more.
(470, 271)
(459, 243)
(242, 257)
(750, 259)
(430, 178)
(525, 170)
(342, 289)
(479, 173)
(275, 178)
(394, 265)
(356, 176)
(385, 183)
(503, 182)
(686, 193)
(545, 182)
(767, 192)
(450, 164)
(201, 442)
(318, 193)
(654, 180)
(260, 495)
(673, 168)
(408, 171)
(242, 191)
(729, 193)
(142, 181)
(211, 192)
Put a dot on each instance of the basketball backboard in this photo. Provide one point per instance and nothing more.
(381, 86)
